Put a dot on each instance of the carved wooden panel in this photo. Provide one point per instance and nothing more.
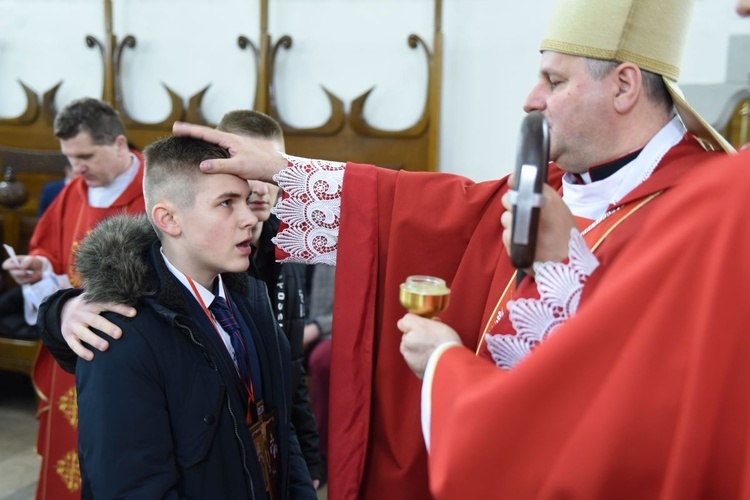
(342, 137)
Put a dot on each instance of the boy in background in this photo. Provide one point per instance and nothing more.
(286, 282)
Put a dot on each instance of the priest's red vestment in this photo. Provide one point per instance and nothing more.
(64, 224)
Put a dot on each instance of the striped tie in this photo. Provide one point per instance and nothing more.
(224, 316)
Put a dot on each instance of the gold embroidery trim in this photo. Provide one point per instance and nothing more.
(593, 249)
(69, 471)
(68, 405)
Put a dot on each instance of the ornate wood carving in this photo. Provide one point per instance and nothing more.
(331, 127)
(341, 137)
(351, 137)
(139, 133)
(32, 129)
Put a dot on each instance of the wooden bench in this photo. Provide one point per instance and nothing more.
(30, 170)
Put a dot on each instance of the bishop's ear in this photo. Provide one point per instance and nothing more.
(629, 87)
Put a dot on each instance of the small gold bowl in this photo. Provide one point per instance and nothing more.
(425, 296)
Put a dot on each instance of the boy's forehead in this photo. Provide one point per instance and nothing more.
(217, 183)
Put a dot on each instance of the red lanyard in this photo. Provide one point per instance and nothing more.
(248, 387)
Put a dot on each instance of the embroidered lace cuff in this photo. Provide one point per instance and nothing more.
(560, 286)
(310, 210)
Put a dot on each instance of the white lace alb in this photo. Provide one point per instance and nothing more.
(311, 210)
(560, 286)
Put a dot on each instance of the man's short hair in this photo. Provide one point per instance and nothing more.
(653, 84)
(97, 118)
(172, 171)
(251, 123)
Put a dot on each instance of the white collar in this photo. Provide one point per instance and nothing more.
(105, 196)
(592, 200)
(206, 295)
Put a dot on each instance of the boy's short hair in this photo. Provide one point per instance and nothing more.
(90, 115)
(252, 123)
(172, 171)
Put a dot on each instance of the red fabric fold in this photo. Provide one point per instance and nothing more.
(643, 394)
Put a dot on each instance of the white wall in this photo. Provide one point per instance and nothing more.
(348, 46)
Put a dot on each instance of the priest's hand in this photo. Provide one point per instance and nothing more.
(25, 269)
(555, 224)
(79, 316)
(251, 158)
(421, 337)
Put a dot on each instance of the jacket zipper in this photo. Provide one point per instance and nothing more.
(231, 412)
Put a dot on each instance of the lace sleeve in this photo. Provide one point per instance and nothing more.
(309, 210)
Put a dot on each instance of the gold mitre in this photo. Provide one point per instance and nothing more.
(648, 33)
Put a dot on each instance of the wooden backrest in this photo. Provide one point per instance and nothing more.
(31, 168)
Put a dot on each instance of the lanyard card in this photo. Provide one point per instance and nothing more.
(265, 437)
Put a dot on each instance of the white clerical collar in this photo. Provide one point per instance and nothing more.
(206, 295)
(592, 200)
(104, 196)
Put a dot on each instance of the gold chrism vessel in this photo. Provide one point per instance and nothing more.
(425, 296)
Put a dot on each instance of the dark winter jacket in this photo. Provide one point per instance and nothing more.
(162, 411)
(287, 287)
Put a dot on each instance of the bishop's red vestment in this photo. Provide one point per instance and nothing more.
(396, 224)
(643, 393)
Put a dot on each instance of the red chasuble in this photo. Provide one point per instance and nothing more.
(64, 224)
(395, 224)
(643, 394)
(608, 238)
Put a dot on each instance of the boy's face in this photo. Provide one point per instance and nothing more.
(262, 198)
(215, 232)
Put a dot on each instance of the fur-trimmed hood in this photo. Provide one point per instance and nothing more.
(119, 261)
(113, 263)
